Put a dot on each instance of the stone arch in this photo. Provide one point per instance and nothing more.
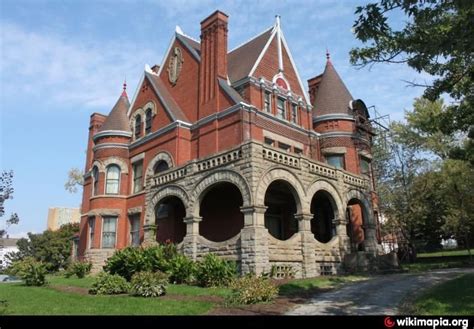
(167, 191)
(217, 177)
(117, 161)
(278, 173)
(161, 156)
(99, 166)
(150, 105)
(362, 198)
(140, 111)
(323, 185)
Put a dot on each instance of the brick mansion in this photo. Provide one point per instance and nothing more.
(228, 152)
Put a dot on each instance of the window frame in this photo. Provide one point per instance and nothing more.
(138, 126)
(155, 167)
(339, 155)
(366, 160)
(294, 113)
(281, 112)
(108, 180)
(134, 180)
(136, 233)
(95, 181)
(104, 219)
(267, 102)
(148, 120)
(91, 233)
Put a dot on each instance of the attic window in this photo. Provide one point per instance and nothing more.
(148, 117)
(138, 126)
(281, 108)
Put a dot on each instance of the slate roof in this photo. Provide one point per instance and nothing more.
(117, 118)
(332, 96)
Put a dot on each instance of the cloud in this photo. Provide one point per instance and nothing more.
(66, 71)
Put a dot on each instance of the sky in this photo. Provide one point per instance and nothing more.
(60, 61)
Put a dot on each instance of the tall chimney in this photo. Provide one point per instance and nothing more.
(213, 61)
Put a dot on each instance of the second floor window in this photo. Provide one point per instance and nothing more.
(336, 160)
(95, 181)
(148, 117)
(112, 181)
(281, 108)
(294, 113)
(137, 177)
(138, 126)
(160, 166)
(364, 166)
(268, 102)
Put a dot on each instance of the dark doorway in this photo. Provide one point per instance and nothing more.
(169, 215)
(280, 215)
(322, 223)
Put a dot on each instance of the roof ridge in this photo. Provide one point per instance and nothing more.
(251, 39)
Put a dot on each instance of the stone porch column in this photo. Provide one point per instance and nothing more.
(307, 245)
(254, 243)
(341, 232)
(190, 241)
(149, 235)
(370, 241)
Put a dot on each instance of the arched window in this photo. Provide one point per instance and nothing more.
(138, 126)
(95, 182)
(112, 180)
(160, 166)
(148, 116)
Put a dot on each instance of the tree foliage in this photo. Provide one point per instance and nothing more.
(75, 179)
(6, 192)
(53, 248)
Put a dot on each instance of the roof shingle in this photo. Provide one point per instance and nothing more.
(117, 118)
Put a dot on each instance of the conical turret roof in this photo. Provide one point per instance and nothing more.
(117, 118)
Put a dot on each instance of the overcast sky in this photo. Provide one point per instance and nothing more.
(60, 61)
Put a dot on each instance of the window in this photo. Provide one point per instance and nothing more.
(281, 108)
(112, 180)
(137, 176)
(95, 183)
(268, 102)
(364, 166)
(284, 146)
(336, 160)
(91, 222)
(160, 166)
(294, 113)
(269, 141)
(109, 231)
(162, 211)
(297, 150)
(138, 126)
(148, 116)
(135, 230)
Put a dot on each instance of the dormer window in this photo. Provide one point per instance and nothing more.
(138, 126)
(148, 117)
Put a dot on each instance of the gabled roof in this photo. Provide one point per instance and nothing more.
(166, 99)
(332, 96)
(117, 119)
(242, 59)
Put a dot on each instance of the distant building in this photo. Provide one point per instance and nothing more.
(58, 216)
(7, 245)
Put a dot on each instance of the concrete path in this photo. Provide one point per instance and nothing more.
(379, 295)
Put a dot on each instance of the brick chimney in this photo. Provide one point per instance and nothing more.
(213, 61)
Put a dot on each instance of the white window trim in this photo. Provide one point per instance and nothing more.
(285, 112)
(102, 231)
(133, 192)
(270, 94)
(89, 244)
(107, 179)
(137, 215)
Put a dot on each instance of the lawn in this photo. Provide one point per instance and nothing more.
(313, 285)
(436, 265)
(455, 297)
(446, 253)
(54, 299)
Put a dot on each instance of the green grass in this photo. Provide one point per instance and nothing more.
(445, 263)
(47, 300)
(299, 286)
(455, 297)
(445, 253)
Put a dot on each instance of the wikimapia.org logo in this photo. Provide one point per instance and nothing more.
(433, 323)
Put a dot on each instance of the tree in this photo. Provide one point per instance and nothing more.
(75, 179)
(435, 39)
(50, 247)
(6, 192)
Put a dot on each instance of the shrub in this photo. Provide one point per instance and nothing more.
(213, 271)
(109, 284)
(181, 269)
(29, 270)
(149, 284)
(80, 269)
(126, 262)
(251, 290)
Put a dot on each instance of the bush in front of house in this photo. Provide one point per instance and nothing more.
(213, 271)
(126, 262)
(79, 268)
(251, 289)
(109, 284)
(181, 269)
(149, 284)
(29, 270)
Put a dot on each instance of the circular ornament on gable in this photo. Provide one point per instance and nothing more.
(281, 83)
(175, 65)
